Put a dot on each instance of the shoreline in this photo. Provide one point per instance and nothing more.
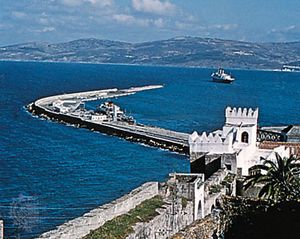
(146, 65)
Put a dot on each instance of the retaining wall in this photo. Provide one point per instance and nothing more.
(172, 218)
(81, 226)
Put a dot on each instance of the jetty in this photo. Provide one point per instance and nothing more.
(110, 119)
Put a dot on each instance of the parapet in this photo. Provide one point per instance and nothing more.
(238, 116)
(210, 143)
(204, 138)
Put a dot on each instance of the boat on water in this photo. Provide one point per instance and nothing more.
(222, 77)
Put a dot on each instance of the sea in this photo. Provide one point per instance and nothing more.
(51, 172)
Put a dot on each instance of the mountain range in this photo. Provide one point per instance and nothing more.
(178, 51)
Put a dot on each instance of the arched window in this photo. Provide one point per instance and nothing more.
(245, 137)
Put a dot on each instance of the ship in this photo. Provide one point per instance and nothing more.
(114, 112)
(222, 77)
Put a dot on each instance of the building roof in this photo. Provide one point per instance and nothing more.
(241, 125)
(291, 131)
(294, 131)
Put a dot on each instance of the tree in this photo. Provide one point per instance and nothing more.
(280, 179)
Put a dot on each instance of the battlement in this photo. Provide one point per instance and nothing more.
(204, 138)
(210, 143)
(241, 116)
(239, 112)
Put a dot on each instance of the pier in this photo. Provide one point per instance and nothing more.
(69, 108)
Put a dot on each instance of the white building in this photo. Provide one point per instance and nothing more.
(66, 106)
(99, 117)
(235, 144)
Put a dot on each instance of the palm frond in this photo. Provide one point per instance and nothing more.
(281, 181)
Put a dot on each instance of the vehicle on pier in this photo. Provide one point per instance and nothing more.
(222, 77)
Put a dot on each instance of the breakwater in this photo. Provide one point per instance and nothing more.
(150, 135)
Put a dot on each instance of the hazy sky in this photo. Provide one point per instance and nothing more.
(145, 20)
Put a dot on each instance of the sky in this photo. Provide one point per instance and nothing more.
(148, 20)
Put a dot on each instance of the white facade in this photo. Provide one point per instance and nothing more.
(99, 117)
(238, 137)
(65, 106)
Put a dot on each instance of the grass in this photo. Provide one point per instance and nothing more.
(215, 189)
(184, 202)
(120, 227)
(229, 178)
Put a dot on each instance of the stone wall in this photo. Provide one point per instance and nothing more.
(205, 229)
(1, 229)
(81, 226)
(174, 216)
(210, 195)
(229, 161)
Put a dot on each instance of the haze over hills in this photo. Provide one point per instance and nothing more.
(179, 51)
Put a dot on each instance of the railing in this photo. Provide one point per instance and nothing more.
(263, 135)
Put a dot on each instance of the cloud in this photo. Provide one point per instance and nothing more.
(43, 21)
(102, 3)
(183, 25)
(48, 29)
(285, 30)
(124, 18)
(131, 20)
(154, 6)
(159, 22)
(289, 28)
(225, 27)
(288, 33)
(72, 3)
(76, 3)
(18, 14)
(4, 26)
(45, 29)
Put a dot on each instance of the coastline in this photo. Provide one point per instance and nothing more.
(129, 70)
(145, 65)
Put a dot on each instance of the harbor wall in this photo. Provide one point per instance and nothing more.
(131, 136)
(172, 218)
(81, 226)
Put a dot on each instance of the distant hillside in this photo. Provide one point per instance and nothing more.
(180, 51)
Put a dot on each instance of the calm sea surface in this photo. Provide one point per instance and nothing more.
(50, 173)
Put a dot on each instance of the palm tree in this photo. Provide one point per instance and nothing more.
(280, 180)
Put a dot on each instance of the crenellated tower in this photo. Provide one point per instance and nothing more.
(244, 121)
(239, 131)
(238, 116)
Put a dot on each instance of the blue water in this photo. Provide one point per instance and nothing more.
(52, 172)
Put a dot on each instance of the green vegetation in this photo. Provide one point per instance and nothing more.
(121, 226)
(215, 188)
(229, 178)
(184, 202)
(280, 180)
(250, 218)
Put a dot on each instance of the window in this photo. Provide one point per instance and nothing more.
(228, 166)
(245, 137)
(254, 171)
